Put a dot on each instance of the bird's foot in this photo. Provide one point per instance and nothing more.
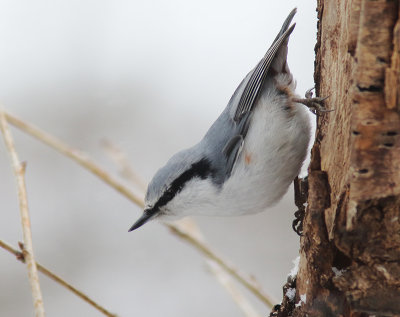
(297, 224)
(300, 198)
(315, 104)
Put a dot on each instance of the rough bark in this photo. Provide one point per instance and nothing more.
(350, 248)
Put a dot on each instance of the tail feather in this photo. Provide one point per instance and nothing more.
(275, 58)
(279, 64)
(285, 25)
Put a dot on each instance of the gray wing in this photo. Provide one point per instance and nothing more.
(248, 97)
(257, 78)
(231, 151)
(223, 142)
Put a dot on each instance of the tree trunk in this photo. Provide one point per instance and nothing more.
(350, 248)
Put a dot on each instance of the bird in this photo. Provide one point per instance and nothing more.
(249, 156)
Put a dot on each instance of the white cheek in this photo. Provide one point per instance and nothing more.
(197, 197)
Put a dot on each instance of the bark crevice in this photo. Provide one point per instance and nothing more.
(350, 249)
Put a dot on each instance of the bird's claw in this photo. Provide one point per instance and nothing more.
(315, 104)
(309, 93)
(300, 200)
(297, 224)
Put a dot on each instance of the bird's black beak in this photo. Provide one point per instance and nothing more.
(147, 215)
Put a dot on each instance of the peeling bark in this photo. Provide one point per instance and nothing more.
(350, 249)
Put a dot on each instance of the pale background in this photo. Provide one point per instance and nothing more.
(151, 76)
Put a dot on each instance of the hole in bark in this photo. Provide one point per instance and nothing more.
(341, 260)
(356, 132)
(363, 171)
(381, 59)
(391, 133)
(371, 88)
(388, 144)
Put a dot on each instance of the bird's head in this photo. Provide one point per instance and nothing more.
(166, 191)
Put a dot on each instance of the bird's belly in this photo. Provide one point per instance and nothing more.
(272, 155)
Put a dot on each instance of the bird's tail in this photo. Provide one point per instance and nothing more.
(285, 24)
(274, 60)
(280, 45)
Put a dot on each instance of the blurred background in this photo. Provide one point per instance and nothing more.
(151, 77)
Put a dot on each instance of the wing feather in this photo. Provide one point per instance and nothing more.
(257, 78)
(233, 147)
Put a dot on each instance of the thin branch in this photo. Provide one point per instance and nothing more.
(74, 154)
(125, 169)
(57, 279)
(10, 249)
(84, 161)
(225, 280)
(251, 286)
(189, 225)
(19, 171)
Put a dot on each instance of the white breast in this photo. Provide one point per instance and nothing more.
(272, 155)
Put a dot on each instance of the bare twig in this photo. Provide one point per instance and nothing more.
(74, 154)
(190, 226)
(87, 163)
(19, 171)
(125, 169)
(250, 285)
(10, 249)
(57, 279)
(225, 280)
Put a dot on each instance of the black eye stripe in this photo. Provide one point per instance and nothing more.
(200, 169)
